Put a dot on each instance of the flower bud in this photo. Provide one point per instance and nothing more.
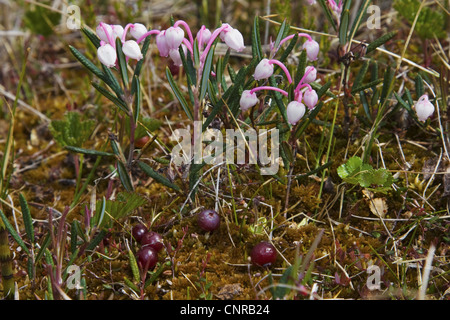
(311, 74)
(137, 30)
(174, 37)
(117, 31)
(107, 55)
(263, 70)
(248, 100)
(312, 49)
(206, 35)
(234, 40)
(295, 111)
(424, 108)
(132, 50)
(176, 57)
(310, 98)
(222, 34)
(101, 31)
(161, 43)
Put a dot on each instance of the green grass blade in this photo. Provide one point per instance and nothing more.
(157, 177)
(13, 233)
(27, 220)
(179, 95)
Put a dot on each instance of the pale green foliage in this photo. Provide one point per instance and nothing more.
(429, 22)
(354, 171)
(72, 130)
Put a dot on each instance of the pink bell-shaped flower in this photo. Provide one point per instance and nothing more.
(107, 55)
(424, 108)
(175, 55)
(132, 50)
(137, 30)
(101, 28)
(310, 74)
(248, 100)
(295, 111)
(117, 31)
(312, 49)
(174, 37)
(205, 34)
(234, 39)
(161, 43)
(222, 34)
(263, 70)
(310, 98)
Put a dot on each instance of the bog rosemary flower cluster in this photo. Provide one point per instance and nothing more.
(296, 108)
(167, 41)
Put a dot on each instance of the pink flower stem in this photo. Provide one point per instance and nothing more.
(211, 41)
(188, 46)
(128, 26)
(200, 36)
(269, 88)
(110, 40)
(145, 35)
(188, 30)
(299, 86)
(283, 67)
(293, 35)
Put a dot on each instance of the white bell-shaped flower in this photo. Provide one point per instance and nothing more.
(263, 70)
(248, 100)
(295, 111)
(132, 50)
(107, 55)
(424, 108)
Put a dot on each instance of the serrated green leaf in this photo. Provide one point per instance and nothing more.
(71, 131)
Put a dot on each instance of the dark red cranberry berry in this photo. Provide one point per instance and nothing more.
(153, 240)
(263, 254)
(208, 220)
(147, 258)
(138, 231)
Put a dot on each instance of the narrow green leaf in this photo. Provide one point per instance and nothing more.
(157, 177)
(387, 82)
(284, 29)
(27, 220)
(91, 36)
(122, 63)
(44, 246)
(360, 76)
(301, 67)
(419, 85)
(124, 176)
(256, 40)
(179, 95)
(137, 99)
(359, 17)
(380, 41)
(289, 48)
(134, 266)
(88, 64)
(328, 14)
(343, 27)
(367, 85)
(117, 101)
(206, 73)
(365, 104)
(13, 233)
(97, 239)
(89, 152)
(111, 81)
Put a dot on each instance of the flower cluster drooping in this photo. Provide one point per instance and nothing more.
(168, 41)
(295, 109)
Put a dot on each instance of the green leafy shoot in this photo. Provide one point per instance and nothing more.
(354, 171)
(72, 130)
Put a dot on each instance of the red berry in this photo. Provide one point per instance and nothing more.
(153, 240)
(263, 254)
(140, 143)
(147, 258)
(208, 220)
(138, 231)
